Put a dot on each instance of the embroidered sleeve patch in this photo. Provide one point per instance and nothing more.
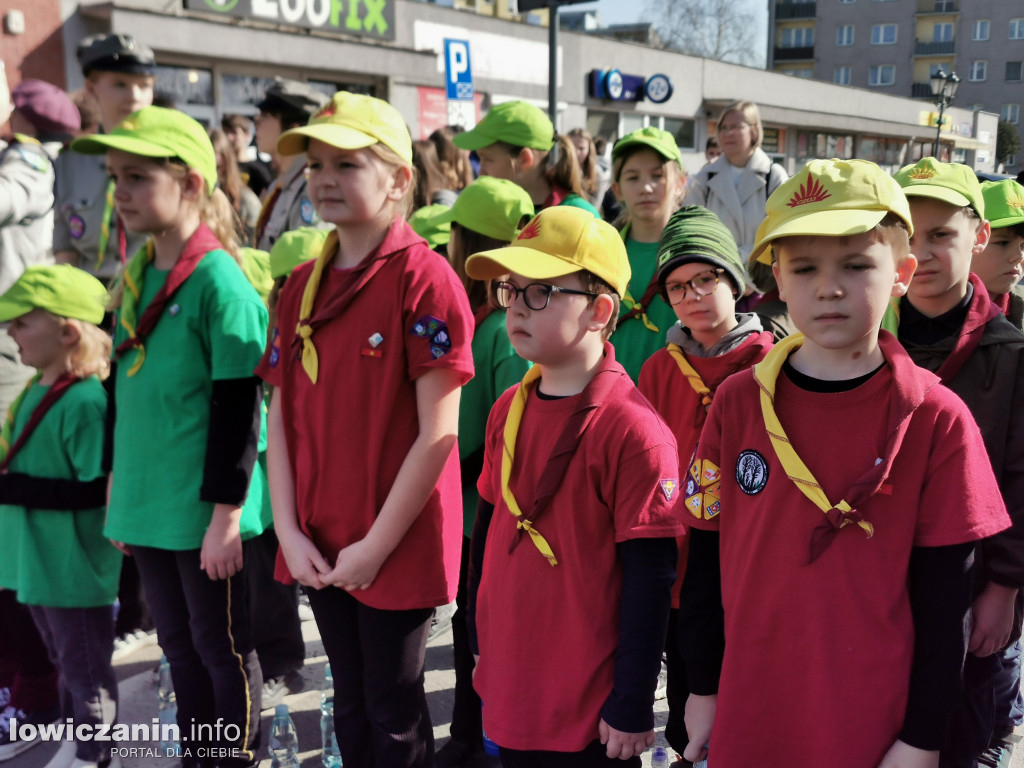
(275, 350)
(703, 489)
(435, 331)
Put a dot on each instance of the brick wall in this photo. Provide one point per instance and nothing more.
(39, 51)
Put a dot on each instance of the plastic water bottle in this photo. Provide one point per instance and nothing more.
(701, 764)
(284, 741)
(490, 747)
(331, 756)
(659, 758)
(167, 710)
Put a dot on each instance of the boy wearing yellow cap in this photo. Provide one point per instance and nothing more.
(516, 141)
(949, 325)
(835, 496)
(53, 554)
(579, 494)
(1001, 265)
(369, 350)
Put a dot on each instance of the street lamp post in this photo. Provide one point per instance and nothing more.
(944, 88)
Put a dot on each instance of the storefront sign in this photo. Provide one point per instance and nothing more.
(616, 86)
(365, 18)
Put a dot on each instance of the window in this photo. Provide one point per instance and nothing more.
(945, 6)
(979, 71)
(684, 130)
(841, 76)
(798, 37)
(1017, 29)
(844, 34)
(980, 30)
(1013, 69)
(942, 33)
(805, 73)
(884, 74)
(883, 34)
(844, 2)
(1010, 113)
(1011, 160)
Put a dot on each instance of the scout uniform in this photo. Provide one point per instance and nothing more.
(85, 219)
(1004, 207)
(644, 317)
(54, 554)
(286, 203)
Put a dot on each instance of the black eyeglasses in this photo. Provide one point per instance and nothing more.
(535, 295)
(703, 284)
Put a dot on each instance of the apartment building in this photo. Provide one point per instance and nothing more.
(894, 46)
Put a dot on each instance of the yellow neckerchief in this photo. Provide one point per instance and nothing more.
(512, 422)
(766, 374)
(108, 210)
(691, 375)
(310, 361)
(7, 432)
(132, 276)
(627, 301)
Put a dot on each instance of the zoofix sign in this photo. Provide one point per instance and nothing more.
(364, 18)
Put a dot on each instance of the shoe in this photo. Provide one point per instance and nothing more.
(441, 620)
(305, 612)
(9, 747)
(662, 690)
(276, 688)
(130, 642)
(455, 753)
(1000, 750)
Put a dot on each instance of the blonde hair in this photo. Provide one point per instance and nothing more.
(588, 171)
(751, 116)
(215, 212)
(676, 170)
(393, 160)
(90, 355)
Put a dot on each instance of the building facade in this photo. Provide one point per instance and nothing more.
(894, 46)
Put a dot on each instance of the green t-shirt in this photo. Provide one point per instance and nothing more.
(576, 201)
(53, 557)
(215, 327)
(634, 341)
(497, 367)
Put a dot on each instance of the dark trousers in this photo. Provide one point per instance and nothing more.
(80, 641)
(1009, 703)
(467, 724)
(133, 611)
(203, 628)
(677, 690)
(594, 756)
(971, 726)
(380, 708)
(273, 610)
(25, 665)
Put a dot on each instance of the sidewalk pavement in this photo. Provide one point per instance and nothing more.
(137, 688)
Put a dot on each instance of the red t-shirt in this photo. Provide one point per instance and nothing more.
(349, 434)
(680, 406)
(818, 656)
(548, 634)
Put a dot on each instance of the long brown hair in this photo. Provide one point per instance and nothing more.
(230, 178)
(481, 292)
(588, 170)
(429, 176)
(455, 165)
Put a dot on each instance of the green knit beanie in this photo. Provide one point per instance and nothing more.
(696, 234)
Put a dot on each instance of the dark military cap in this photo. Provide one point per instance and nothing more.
(115, 53)
(285, 95)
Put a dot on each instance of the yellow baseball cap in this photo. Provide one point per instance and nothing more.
(559, 241)
(61, 289)
(158, 132)
(835, 198)
(351, 121)
(949, 182)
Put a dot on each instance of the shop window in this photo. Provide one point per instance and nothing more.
(685, 132)
(185, 85)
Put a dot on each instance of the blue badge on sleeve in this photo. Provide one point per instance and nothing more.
(435, 331)
(275, 350)
(307, 212)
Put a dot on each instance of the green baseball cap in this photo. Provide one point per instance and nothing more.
(295, 247)
(158, 132)
(1004, 202)
(662, 142)
(62, 289)
(949, 182)
(514, 122)
(430, 223)
(492, 207)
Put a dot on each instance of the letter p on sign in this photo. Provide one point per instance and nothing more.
(459, 78)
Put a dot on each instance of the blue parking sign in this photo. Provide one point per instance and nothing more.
(458, 76)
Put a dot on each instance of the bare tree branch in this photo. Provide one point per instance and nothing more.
(714, 29)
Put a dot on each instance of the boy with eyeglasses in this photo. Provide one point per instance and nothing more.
(574, 547)
(700, 276)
